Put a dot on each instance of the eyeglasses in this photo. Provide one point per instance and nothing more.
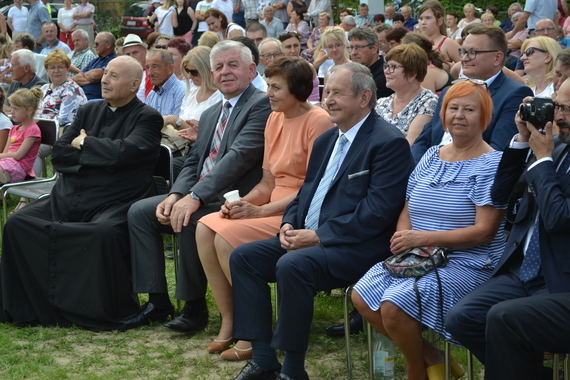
(357, 47)
(160, 47)
(564, 109)
(382, 43)
(391, 67)
(542, 30)
(269, 55)
(333, 47)
(472, 54)
(99, 43)
(58, 68)
(528, 52)
(194, 73)
(477, 82)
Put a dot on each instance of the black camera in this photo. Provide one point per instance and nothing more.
(538, 111)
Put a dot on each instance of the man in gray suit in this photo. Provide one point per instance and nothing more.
(227, 155)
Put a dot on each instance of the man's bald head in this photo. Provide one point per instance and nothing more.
(121, 80)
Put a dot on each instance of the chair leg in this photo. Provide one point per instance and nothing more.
(368, 329)
(566, 367)
(555, 366)
(447, 360)
(347, 333)
(175, 256)
(470, 366)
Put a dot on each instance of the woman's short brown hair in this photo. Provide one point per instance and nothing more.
(57, 56)
(297, 73)
(412, 57)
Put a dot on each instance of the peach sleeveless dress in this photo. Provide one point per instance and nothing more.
(288, 145)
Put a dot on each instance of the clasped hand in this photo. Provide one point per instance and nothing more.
(405, 239)
(292, 239)
(176, 211)
(240, 210)
(191, 132)
(76, 143)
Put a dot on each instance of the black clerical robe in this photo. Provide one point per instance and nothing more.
(65, 258)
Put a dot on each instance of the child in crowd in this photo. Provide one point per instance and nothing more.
(17, 160)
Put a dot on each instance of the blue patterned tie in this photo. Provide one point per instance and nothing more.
(312, 219)
(531, 263)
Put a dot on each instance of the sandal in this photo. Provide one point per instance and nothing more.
(19, 206)
(220, 345)
(234, 354)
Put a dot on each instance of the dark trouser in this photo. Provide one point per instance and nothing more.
(519, 331)
(467, 320)
(147, 251)
(299, 275)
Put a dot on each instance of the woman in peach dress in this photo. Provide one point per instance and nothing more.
(289, 135)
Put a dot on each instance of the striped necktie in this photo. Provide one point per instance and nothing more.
(312, 219)
(210, 162)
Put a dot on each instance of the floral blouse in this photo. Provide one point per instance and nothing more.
(62, 103)
(423, 104)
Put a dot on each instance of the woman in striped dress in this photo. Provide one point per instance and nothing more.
(448, 204)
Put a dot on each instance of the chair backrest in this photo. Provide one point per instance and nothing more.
(49, 129)
(164, 167)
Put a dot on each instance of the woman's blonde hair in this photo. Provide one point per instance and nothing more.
(552, 47)
(209, 39)
(199, 57)
(469, 6)
(336, 33)
(57, 56)
(27, 98)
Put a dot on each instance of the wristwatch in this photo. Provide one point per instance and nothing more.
(194, 196)
(178, 123)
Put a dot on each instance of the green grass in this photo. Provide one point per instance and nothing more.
(155, 353)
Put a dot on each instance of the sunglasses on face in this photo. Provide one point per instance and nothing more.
(528, 52)
(194, 73)
(160, 47)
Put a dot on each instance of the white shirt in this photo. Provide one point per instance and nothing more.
(19, 18)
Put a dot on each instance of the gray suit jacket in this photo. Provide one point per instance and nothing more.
(241, 150)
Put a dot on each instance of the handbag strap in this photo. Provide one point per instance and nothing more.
(440, 290)
(165, 16)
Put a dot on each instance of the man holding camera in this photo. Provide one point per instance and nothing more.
(523, 310)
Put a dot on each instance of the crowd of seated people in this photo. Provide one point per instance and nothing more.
(304, 120)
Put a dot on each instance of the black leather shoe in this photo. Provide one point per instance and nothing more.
(252, 371)
(189, 321)
(355, 323)
(149, 313)
(283, 376)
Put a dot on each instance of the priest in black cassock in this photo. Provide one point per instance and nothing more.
(65, 258)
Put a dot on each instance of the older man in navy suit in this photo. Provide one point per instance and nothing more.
(523, 310)
(482, 58)
(337, 227)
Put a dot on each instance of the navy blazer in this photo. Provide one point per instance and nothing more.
(552, 199)
(241, 150)
(507, 95)
(359, 213)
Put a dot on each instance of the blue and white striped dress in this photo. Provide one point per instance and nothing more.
(442, 196)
